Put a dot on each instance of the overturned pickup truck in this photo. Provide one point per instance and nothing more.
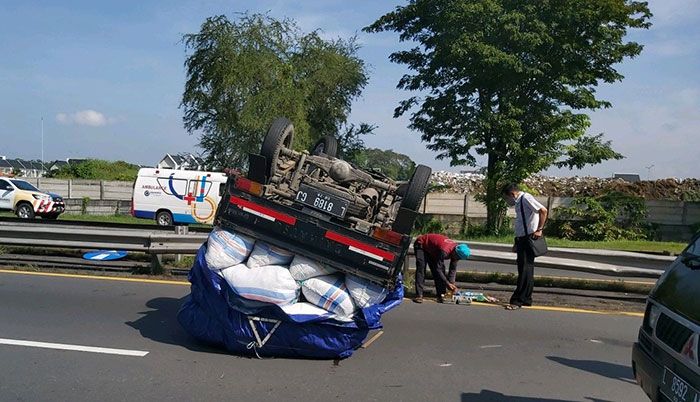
(319, 206)
(305, 256)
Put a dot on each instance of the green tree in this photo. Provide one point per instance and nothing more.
(242, 74)
(395, 165)
(507, 80)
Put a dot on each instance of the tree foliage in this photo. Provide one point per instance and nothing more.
(509, 80)
(96, 169)
(350, 141)
(394, 165)
(242, 74)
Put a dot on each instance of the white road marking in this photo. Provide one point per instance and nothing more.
(63, 346)
(445, 364)
(490, 346)
(596, 341)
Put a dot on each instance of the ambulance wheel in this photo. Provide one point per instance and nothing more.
(164, 218)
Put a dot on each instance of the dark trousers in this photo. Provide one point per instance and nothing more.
(526, 276)
(421, 259)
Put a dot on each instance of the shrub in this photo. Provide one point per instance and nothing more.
(612, 216)
(427, 224)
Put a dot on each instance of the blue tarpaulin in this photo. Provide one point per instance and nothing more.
(213, 313)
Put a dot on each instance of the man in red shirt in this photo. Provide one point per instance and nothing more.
(435, 249)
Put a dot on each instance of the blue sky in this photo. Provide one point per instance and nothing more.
(107, 77)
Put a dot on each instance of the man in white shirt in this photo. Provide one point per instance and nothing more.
(530, 217)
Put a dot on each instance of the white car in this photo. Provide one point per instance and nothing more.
(27, 201)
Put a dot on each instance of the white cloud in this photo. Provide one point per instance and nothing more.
(86, 117)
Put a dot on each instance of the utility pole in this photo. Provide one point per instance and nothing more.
(43, 169)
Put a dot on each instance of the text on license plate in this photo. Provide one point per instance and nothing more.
(322, 201)
(677, 389)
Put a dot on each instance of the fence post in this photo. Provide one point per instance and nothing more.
(425, 202)
(70, 188)
(102, 189)
(684, 216)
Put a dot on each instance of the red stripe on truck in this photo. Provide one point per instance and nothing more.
(289, 220)
(359, 245)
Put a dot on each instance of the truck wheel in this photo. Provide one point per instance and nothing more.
(327, 145)
(417, 187)
(280, 135)
(25, 211)
(164, 218)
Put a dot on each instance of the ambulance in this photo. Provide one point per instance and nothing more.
(173, 197)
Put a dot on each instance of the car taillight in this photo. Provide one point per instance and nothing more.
(249, 186)
(387, 236)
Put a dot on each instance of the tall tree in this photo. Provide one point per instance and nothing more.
(509, 79)
(242, 74)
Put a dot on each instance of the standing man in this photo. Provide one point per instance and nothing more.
(435, 249)
(530, 215)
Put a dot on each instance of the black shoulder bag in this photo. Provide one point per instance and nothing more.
(539, 245)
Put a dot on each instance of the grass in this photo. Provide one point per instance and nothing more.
(106, 218)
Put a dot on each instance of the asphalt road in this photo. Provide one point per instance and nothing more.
(427, 352)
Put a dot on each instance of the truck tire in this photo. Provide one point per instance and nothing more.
(164, 218)
(280, 134)
(327, 145)
(25, 210)
(417, 187)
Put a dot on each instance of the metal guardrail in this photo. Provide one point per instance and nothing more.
(157, 241)
(151, 240)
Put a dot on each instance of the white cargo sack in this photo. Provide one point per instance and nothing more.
(363, 292)
(329, 293)
(264, 254)
(303, 268)
(269, 284)
(226, 249)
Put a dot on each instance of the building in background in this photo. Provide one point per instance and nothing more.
(20, 167)
(182, 161)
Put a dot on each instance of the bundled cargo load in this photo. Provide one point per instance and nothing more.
(259, 311)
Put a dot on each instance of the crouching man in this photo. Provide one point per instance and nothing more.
(434, 249)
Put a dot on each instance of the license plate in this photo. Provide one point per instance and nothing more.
(677, 389)
(322, 201)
